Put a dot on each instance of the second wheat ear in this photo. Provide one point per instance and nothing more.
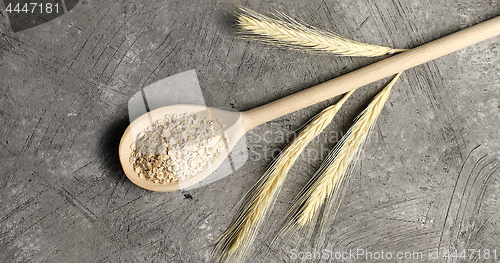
(286, 31)
(237, 239)
(326, 186)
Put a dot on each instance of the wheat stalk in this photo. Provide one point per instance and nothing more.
(237, 239)
(288, 32)
(327, 184)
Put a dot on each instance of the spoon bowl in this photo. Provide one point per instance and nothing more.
(232, 128)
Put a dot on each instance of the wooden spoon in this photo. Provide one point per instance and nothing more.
(236, 123)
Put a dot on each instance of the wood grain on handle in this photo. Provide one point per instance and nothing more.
(372, 73)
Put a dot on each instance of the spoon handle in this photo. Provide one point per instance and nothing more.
(371, 73)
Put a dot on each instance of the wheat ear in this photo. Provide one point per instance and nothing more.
(288, 32)
(329, 181)
(237, 239)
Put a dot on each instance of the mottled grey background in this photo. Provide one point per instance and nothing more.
(428, 179)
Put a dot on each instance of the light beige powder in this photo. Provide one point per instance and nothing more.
(177, 147)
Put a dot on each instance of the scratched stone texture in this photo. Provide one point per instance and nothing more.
(428, 178)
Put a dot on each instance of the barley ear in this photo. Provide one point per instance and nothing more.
(288, 32)
(325, 189)
(236, 241)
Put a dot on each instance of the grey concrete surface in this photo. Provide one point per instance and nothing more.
(428, 179)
